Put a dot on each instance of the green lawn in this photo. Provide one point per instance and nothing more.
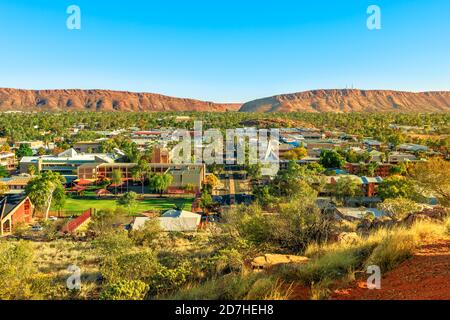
(143, 205)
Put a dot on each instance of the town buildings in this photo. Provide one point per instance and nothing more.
(65, 163)
(183, 174)
(8, 160)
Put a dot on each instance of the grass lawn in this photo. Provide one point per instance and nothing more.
(142, 205)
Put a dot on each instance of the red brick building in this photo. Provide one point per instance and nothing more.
(14, 209)
(382, 170)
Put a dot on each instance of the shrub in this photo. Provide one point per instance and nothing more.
(16, 268)
(392, 250)
(147, 234)
(333, 265)
(129, 266)
(104, 221)
(125, 290)
(300, 222)
(112, 243)
(249, 223)
(51, 229)
(165, 280)
(225, 261)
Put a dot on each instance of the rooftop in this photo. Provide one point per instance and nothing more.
(8, 203)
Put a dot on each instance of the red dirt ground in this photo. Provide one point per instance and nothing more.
(426, 276)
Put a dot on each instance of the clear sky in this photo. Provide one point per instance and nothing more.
(225, 50)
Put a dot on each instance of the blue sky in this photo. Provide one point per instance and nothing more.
(225, 51)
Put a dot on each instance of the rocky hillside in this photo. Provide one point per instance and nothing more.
(350, 100)
(101, 100)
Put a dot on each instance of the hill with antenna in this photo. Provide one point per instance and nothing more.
(352, 100)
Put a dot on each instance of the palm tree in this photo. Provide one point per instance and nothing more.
(140, 171)
(116, 178)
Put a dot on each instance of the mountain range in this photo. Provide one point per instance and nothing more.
(333, 100)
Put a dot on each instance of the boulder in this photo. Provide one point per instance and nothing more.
(269, 260)
(418, 217)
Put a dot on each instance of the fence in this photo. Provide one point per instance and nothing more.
(59, 214)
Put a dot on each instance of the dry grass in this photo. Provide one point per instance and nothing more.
(385, 248)
(241, 286)
(54, 258)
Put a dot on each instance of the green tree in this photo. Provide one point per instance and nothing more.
(296, 154)
(24, 151)
(346, 187)
(3, 172)
(399, 169)
(59, 199)
(139, 172)
(433, 176)
(331, 159)
(397, 187)
(212, 181)
(42, 188)
(31, 169)
(216, 168)
(41, 151)
(206, 200)
(3, 188)
(161, 182)
(116, 178)
(254, 171)
(128, 200)
(103, 221)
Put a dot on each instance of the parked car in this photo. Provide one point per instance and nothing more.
(36, 228)
(52, 218)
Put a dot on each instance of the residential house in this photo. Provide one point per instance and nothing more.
(315, 147)
(354, 214)
(369, 185)
(397, 157)
(14, 209)
(16, 184)
(381, 170)
(371, 144)
(411, 147)
(89, 146)
(8, 160)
